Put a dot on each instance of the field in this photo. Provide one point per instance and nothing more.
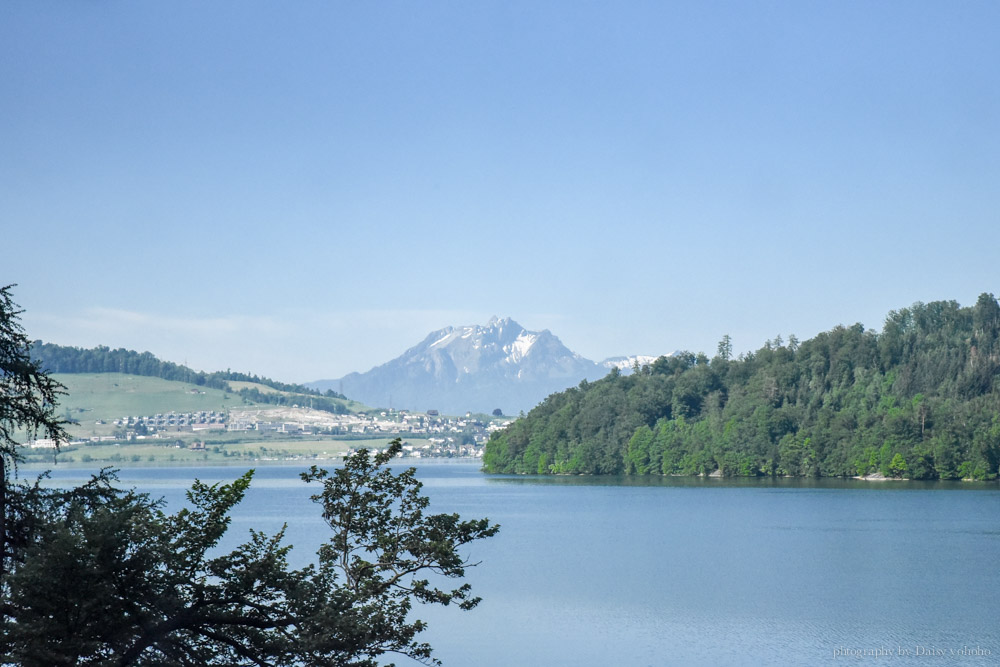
(94, 397)
(95, 400)
(262, 388)
(104, 397)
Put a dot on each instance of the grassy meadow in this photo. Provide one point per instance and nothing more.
(301, 399)
(95, 400)
(93, 397)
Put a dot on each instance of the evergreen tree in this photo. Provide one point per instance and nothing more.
(27, 409)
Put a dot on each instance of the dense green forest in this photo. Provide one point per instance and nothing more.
(63, 359)
(919, 400)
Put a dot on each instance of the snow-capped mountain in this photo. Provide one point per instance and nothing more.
(475, 368)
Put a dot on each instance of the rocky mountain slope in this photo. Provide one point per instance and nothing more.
(475, 368)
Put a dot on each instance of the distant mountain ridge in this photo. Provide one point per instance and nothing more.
(475, 369)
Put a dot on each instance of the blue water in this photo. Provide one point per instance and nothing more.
(598, 571)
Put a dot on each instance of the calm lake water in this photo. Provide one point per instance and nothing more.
(599, 571)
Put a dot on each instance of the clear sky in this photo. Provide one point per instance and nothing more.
(305, 189)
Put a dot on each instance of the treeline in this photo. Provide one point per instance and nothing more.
(102, 359)
(919, 400)
(316, 402)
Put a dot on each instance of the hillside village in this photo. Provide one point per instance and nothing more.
(437, 435)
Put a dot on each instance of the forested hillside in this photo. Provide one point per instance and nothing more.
(920, 400)
(102, 359)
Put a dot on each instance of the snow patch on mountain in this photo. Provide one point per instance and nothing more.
(518, 350)
(448, 335)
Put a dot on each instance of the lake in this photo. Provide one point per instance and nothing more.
(619, 571)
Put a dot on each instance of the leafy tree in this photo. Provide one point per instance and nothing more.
(107, 578)
(897, 467)
(104, 577)
(98, 575)
(382, 547)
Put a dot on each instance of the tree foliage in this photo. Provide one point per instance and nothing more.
(383, 547)
(28, 395)
(103, 576)
(921, 399)
(27, 405)
(99, 575)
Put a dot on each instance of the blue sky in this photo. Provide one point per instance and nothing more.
(301, 190)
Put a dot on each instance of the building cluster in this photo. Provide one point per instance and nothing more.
(446, 436)
(195, 421)
(446, 447)
(435, 435)
(362, 424)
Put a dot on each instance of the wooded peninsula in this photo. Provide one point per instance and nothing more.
(920, 400)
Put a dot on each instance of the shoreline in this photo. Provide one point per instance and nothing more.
(236, 463)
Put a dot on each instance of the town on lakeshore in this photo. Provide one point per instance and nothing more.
(425, 434)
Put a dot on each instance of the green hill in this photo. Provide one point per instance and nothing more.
(919, 400)
(102, 359)
(94, 400)
(93, 397)
(105, 364)
(116, 394)
(259, 393)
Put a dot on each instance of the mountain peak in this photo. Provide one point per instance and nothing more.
(497, 323)
(476, 368)
(473, 368)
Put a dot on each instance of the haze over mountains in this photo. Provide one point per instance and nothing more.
(476, 368)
